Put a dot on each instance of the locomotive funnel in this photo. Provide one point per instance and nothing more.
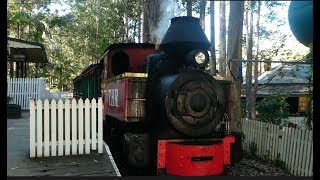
(184, 34)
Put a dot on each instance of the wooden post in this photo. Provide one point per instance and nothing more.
(37, 68)
(25, 69)
(17, 69)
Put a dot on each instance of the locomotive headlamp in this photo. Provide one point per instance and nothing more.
(197, 58)
(200, 58)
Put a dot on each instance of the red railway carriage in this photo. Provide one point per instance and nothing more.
(163, 113)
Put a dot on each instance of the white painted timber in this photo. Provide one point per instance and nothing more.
(67, 127)
(293, 146)
(22, 89)
(52, 124)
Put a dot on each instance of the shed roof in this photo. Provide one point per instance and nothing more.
(28, 51)
(287, 74)
(291, 78)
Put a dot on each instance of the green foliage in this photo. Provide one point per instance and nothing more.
(242, 137)
(74, 40)
(273, 109)
(308, 58)
(309, 108)
(281, 164)
(253, 148)
(9, 99)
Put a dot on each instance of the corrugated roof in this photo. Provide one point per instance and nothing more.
(268, 89)
(287, 74)
(291, 78)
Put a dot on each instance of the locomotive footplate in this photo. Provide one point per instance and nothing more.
(205, 157)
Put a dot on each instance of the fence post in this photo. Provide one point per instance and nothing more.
(87, 126)
(60, 127)
(53, 128)
(74, 127)
(100, 123)
(32, 129)
(46, 128)
(67, 126)
(80, 110)
(94, 123)
(39, 128)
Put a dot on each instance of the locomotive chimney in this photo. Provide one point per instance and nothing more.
(184, 34)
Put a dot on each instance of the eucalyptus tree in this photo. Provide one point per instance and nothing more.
(222, 38)
(249, 45)
(213, 63)
(256, 58)
(234, 51)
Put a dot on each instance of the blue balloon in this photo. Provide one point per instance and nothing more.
(301, 21)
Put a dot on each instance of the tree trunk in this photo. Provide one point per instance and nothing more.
(146, 31)
(255, 88)
(140, 21)
(134, 35)
(189, 7)
(249, 64)
(97, 21)
(126, 28)
(213, 48)
(151, 17)
(222, 39)
(203, 12)
(234, 51)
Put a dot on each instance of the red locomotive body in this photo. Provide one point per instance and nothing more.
(162, 112)
(126, 97)
(184, 158)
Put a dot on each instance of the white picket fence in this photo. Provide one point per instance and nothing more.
(299, 121)
(64, 127)
(21, 89)
(293, 146)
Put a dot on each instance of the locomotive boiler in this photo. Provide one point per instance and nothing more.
(162, 111)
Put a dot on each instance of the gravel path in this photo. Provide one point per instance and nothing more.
(251, 166)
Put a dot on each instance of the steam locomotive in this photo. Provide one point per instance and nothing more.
(162, 111)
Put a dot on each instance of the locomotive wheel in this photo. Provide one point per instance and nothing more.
(193, 102)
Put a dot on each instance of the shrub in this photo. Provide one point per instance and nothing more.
(273, 109)
(9, 99)
(281, 164)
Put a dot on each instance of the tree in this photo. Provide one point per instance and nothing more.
(213, 49)
(126, 34)
(249, 44)
(189, 7)
(256, 72)
(151, 15)
(203, 12)
(234, 51)
(222, 39)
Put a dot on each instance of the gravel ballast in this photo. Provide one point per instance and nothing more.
(253, 166)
